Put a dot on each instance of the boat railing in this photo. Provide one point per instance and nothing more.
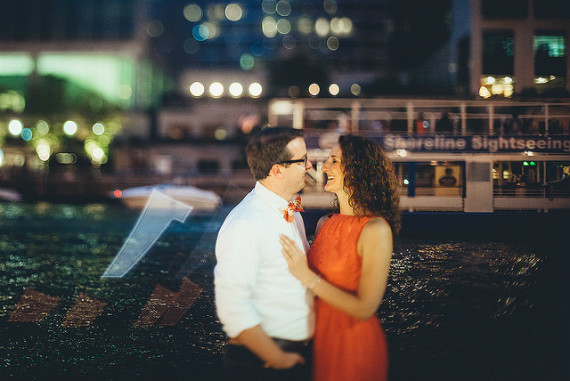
(423, 116)
(537, 191)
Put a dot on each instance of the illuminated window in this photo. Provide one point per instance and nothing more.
(549, 55)
(16, 64)
(112, 77)
(496, 86)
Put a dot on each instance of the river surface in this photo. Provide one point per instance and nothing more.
(463, 303)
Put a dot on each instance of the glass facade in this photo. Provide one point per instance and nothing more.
(498, 53)
(551, 9)
(350, 35)
(67, 20)
(505, 9)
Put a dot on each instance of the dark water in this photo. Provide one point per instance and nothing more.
(467, 299)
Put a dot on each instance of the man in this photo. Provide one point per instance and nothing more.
(267, 313)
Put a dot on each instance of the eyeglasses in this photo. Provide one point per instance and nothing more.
(303, 160)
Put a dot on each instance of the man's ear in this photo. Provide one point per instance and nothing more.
(276, 171)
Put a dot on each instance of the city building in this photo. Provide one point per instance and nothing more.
(73, 74)
(508, 47)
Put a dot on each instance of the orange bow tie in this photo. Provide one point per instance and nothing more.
(294, 206)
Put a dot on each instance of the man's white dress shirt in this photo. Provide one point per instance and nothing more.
(253, 284)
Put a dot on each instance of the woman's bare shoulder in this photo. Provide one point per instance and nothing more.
(376, 226)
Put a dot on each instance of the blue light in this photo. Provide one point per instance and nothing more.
(26, 134)
(200, 32)
(257, 49)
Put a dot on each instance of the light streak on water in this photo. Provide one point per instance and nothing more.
(159, 211)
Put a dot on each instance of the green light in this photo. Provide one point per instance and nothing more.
(525, 164)
(106, 75)
(532, 163)
(16, 64)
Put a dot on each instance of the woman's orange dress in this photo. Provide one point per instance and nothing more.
(345, 348)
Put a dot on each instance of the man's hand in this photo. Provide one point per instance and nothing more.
(286, 360)
(257, 341)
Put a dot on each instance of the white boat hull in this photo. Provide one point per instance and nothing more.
(198, 199)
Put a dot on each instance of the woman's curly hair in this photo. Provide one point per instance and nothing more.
(370, 180)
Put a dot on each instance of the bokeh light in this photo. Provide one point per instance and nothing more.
(283, 26)
(98, 154)
(305, 25)
(236, 90)
(15, 127)
(333, 43)
(322, 27)
(26, 134)
(98, 128)
(197, 89)
(255, 90)
(216, 12)
(213, 30)
(294, 91)
(42, 127)
(192, 12)
(43, 150)
(355, 89)
(345, 26)
(257, 49)
(268, 6)
(283, 8)
(233, 12)
(314, 89)
(216, 89)
(220, 134)
(330, 7)
(200, 32)
(154, 29)
(246, 61)
(269, 26)
(289, 42)
(334, 89)
(70, 127)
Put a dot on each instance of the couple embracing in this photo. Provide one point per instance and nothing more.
(299, 313)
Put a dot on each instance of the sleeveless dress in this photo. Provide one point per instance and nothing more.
(345, 348)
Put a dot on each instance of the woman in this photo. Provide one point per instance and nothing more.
(348, 263)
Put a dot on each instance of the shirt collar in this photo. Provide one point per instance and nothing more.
(270, 198)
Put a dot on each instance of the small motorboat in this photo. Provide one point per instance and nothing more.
(198, 199)
(10, 195)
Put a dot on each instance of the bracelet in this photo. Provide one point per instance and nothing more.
(314, 283)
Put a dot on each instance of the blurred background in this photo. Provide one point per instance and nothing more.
(114, 93)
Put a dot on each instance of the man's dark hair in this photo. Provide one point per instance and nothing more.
(267, 148)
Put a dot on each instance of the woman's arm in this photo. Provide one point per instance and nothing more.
(375, 248)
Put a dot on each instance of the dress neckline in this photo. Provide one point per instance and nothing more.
(350, 215)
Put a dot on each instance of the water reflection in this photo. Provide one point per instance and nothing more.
(444, 299)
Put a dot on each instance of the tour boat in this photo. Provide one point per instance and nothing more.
(198, 199)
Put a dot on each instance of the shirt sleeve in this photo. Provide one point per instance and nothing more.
(235, 276)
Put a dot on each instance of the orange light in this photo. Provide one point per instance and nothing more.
(117, 193)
